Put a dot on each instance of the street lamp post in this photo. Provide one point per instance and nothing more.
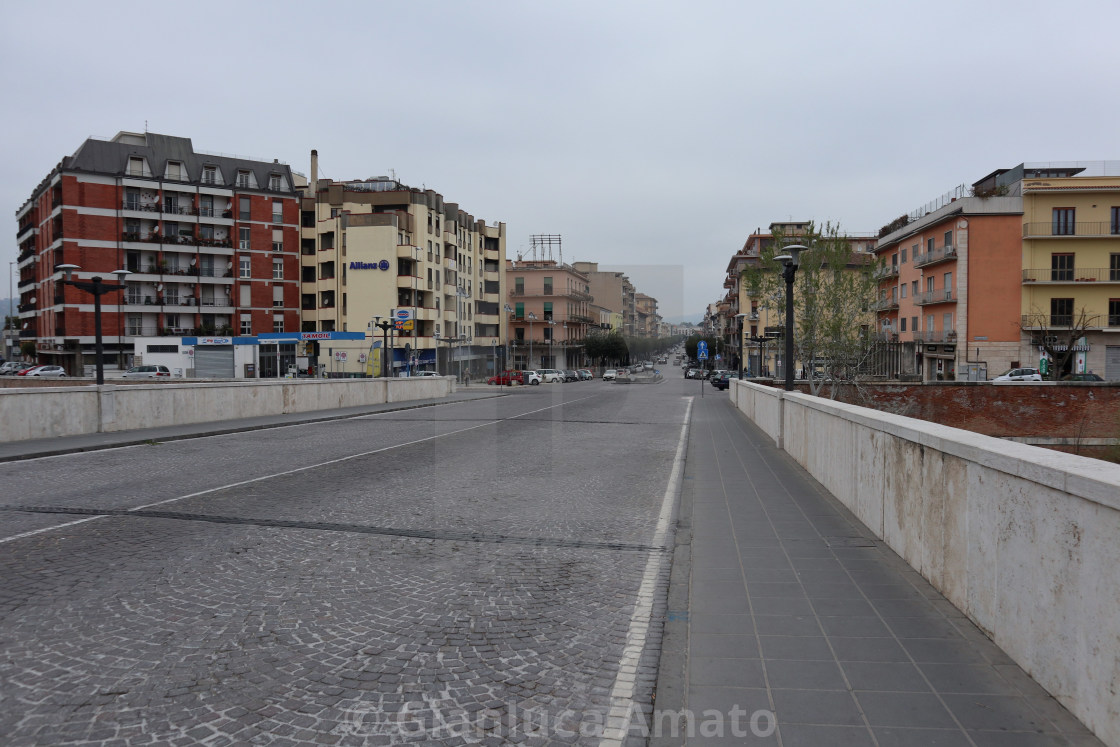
(789, 262)
(98, 289)
(384, 327)
(120, 321)
(509, 310)
(551, 338)
(740, 317)
(532, 318)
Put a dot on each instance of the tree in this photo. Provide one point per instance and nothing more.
(1058, 335)
(834, 292)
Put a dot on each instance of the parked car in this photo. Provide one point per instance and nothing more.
(1020, 374)
(11, 368)
(585, 375)
(146, 372)
(723, 381)
(530, 377)
(26, 371)
(55, 372)
(551, 375)
(610, 374)
(571, 375)
(692, 373)
(1082, 377)
(505, 378)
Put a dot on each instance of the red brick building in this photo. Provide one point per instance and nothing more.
(211, 244)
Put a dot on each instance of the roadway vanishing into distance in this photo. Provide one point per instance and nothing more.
(459, 573)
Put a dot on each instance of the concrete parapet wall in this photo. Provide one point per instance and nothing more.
(1023, 540)
(47, 412)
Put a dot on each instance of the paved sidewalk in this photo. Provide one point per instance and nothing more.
(782, 602)
(41, 447)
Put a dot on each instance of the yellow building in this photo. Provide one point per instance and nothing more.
(1071, 261)
(376, 250)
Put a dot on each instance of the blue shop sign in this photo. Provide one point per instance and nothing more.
(382, 265)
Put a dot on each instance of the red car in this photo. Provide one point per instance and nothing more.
(506, 378)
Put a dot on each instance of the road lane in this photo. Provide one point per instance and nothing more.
(352, 580)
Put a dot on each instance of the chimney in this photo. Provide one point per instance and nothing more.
(314, 181)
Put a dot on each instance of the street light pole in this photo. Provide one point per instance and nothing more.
(789, 262)
(532, 318)
(384, 327)
(740, 317)
(98, 289)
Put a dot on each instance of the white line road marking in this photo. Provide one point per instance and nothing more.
(622, 694)
(293, 471)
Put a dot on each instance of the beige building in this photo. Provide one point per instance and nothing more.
(376, 250)
(612, 291)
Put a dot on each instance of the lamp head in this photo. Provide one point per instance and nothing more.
(792, 254)
(67, 269)
(532, 316)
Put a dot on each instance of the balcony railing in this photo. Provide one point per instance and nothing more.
(944, 295)
(1077, 228)
(936, 335)
(1036, 321)
(941, 254)
(887, 271)
(1077, 275)
(144, 207)
(885, 304)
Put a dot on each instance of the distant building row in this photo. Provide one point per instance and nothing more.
(977, 280)
(224, 251)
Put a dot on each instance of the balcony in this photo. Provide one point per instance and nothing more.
(1059, 321)
(936, 335)
(140, 207)
(885, 304)
(1063, 229)
(944, 295)
(1078, 275)
(942, 254)
(885, 272)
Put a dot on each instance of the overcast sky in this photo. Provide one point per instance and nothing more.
(652, 136)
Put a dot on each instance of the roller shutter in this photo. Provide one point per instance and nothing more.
(213, 361)
(1112, 363)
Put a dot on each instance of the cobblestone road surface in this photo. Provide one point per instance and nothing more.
(458, 574)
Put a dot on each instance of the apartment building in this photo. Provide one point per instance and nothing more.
(949, 286)
(209, 243)
(551, 315)
(976, 279)
(374, 251)
(613, 291)
(1071, 262)
(647, 322)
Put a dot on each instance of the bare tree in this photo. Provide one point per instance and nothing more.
(1058, 335)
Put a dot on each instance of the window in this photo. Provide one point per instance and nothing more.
(278, 324)
(326, 270)
(902, 290)
(947, 322)
(1114, 224)
(1063, 222)
(243, 264)
(243, 208)
(948, 239)
(246, 327)
(1114, 312)
(277, 240)
(243, 180)
(914, 288)
(1114, 267)
(914, 251)
(902, 258)
(1061, 312)
(206, 232)
(902, 324)
(174, 171)
(274, 184)
(929, 245)
(547, 309)
(277, 211)
(277, 269)
(948, 285)
(929, 284)
(548, 333)
(307, 218)
(519, 286)
(548, 286)
(1061, 267)
(929, 323)
(206, 206)
(326, 300)
(914, 323)
(209, 175)
(135, 166)
(243, 242)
